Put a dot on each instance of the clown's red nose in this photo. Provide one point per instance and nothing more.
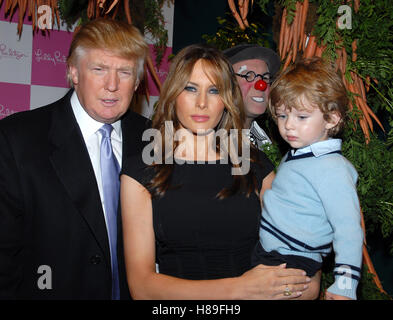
(260, 85)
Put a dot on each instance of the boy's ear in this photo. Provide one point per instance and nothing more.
(334, 119)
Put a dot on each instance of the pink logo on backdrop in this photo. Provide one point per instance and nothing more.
(49, 59)
(17, 98)
(162, 70)
(6, 52)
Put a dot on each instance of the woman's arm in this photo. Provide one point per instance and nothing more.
(260, 282)
(266, 184)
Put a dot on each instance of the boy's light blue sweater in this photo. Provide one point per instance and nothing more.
(312, 204)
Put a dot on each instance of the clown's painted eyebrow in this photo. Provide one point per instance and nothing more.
(242, 68)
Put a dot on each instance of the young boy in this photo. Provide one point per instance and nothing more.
(313, 202)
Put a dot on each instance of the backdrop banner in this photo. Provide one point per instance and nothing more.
(33, 66)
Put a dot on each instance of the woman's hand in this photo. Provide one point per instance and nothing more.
(272, 283)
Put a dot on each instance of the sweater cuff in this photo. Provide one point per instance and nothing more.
(346, 290)
(346, 281)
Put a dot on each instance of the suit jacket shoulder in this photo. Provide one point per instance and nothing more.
(29, 125)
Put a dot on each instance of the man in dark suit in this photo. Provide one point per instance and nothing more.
(60, 229)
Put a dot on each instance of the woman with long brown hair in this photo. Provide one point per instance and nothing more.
(193, 208)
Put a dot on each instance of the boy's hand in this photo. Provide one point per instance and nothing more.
(332, 296)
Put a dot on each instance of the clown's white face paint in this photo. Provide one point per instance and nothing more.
(241, 69)
(255, 101)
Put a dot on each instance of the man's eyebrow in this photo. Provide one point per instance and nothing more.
(97, 63)
(104, 65)
(126, 68)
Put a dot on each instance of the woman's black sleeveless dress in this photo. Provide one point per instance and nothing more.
(199, 236)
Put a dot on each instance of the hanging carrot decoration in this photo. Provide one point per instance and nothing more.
(296, 31)
(282, 28)
(344, 60)
(101, 3)
(235, 14)
(112, 5)
(311, 47)
(354, 47)
(319, 50)
(303, 23)
(244, 11)
(371, 269)
(241, 16)
(293, 39)
(30, 7)
(127, 11)
(288, 61)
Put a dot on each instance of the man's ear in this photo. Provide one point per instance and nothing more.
(73, 71)
(136, 84)
(334, 119)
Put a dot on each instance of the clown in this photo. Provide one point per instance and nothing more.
(255, 68)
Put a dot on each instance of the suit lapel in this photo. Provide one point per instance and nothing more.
(72, 164)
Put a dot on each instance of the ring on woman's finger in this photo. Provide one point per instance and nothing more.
(287, 292)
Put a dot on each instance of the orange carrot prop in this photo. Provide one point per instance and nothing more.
(369, 264)
(296, 30)
(240, 4)
(354, 47)
(115, 12)
(338, 59)
(304, 42)
(235, 14)
(90, 9)
(285, 48)
(361, 105)
(367, 83)
(288, 61)
(112, 5)
(100, 3)
(356, 5)
(319, 50)
(303, 22)
(288, 38)
(365, 122)
(127, 11)
(344, 60)
(244, 12)
(372, 114)
(54, 2)
(311, 46)
(282, 30)
(357, 89)
(361, 88)
(366, 133)
(366, 257)
(22, 8)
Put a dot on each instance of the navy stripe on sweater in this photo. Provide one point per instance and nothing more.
(305, 155)
(347, 270)
(343, 265)
(279, 234)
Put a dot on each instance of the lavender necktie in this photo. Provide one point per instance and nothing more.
(111, 186)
